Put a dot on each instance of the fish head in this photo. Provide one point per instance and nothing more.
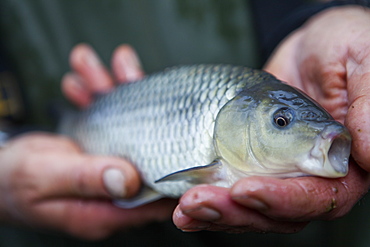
(283, 133)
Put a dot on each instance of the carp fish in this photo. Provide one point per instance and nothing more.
(211, 124)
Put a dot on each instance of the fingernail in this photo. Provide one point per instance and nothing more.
(134, 59)
(114, 182)
(131, 69)
(132, 74)
(75, 82)
(204, 214)
(128, 63)
(251, 202)
(91, 58)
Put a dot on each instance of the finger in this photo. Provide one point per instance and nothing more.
(126, 64)
(357, 119)
(211, 208)
(74, 89)
(358, 123)
(303, 198)
(86, 63)
(81, 175)
(66, 171)
(96, 219)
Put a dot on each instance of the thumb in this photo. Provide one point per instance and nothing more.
(358, 123)
(82, 175)
(357, 119)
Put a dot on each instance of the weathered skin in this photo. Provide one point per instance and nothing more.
(223, 122)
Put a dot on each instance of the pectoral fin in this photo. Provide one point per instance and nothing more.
(196, 175)
(145, 196)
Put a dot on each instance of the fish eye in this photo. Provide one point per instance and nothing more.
(281, 121)
(283, 117)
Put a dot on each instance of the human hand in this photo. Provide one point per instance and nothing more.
(329, 58)
(47, 182)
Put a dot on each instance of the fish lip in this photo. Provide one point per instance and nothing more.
(333, 148)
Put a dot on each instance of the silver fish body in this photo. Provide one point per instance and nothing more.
(212, 124)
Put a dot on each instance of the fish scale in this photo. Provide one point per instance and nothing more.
(163, 123)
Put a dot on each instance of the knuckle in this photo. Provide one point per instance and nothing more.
(81, 183)
(311, 199)
(323, 200)
(23, 180)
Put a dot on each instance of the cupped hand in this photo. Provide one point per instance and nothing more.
(47, 182)
(329, 58)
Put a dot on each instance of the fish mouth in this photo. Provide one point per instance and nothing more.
(331, 152)
(339, 152)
